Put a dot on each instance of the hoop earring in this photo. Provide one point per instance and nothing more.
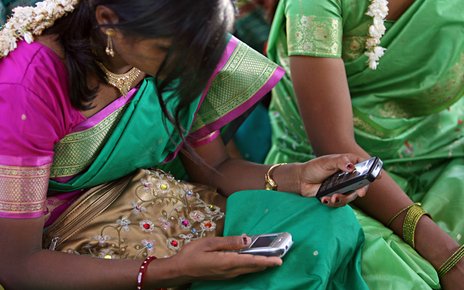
(109, 42)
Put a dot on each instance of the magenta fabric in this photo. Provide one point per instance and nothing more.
(218, 124)
(35, 111)
(105, 112)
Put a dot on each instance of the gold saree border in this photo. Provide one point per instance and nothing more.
(23, 190)
(314, 35)
(76, 151)
(242, 77)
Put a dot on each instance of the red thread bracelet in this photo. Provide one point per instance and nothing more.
(143, 270)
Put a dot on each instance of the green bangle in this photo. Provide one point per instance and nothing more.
(398, 214)
(410, 222)
(451, 262)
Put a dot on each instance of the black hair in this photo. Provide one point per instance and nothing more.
(197, 30)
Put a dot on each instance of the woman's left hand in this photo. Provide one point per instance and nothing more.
(314, 172)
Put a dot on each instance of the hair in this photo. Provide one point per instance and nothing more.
(198, 34)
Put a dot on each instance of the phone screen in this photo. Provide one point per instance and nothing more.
(263, 241)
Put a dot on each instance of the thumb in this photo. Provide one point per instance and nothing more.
(343, 162)
(228, 243)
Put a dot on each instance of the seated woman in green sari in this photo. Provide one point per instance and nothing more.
(97, 92)
(406, 108)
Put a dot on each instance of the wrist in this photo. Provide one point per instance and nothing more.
(288, 177)
(164, 273)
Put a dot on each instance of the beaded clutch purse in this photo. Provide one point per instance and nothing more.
(147, 214)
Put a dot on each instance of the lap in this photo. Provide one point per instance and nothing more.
(326, 249)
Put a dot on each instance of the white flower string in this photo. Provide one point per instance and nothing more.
(28, 22)
(378, 10)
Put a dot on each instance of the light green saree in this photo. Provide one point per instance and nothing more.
(409, 112)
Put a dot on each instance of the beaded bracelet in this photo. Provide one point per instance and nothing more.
(142, 270)
(451, 262)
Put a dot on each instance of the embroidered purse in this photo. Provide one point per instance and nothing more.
(148, 213)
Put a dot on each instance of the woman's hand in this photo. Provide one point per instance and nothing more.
(215, 259)
(314, 172)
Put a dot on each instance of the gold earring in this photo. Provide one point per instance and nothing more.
(109, 43)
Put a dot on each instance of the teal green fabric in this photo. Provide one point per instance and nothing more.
(409, 112)
(326, 251)
(253, 29)
(253, 138)
(2, 14)
(115, 160)
(6, 6)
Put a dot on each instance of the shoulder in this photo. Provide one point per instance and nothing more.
(33, 76)
(30, 64)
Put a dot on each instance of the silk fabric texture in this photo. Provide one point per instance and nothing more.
(134, 136)
(409, 112)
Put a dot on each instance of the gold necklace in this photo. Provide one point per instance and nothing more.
(123, 82)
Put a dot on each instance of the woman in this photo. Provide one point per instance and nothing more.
(100, 89)
(405, 108)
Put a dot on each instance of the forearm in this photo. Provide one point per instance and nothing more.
(236, 174)
(385, 199)
(55, 270)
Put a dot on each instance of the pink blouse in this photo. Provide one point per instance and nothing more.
(35, 114)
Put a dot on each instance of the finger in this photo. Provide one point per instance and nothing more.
(343, 162)
(350, 197)
(362, 191)
(226, 243)
(256, 261)
(346, 162)
(338, 200)
(331, 201)
(325, 200)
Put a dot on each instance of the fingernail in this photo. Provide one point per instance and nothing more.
(246, 240)
(350, 166)
(337, 200)
(325, 201)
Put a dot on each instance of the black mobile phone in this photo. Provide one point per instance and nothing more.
(276, 244)
(347, 182)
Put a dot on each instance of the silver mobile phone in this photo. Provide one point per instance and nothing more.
(347, 182)
(276, 244)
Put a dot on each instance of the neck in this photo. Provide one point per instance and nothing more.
(116, 64)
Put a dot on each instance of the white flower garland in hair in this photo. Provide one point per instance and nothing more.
(378, 10)
(28, 22)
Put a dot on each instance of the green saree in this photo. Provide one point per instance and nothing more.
(408, 112)
(134, 137)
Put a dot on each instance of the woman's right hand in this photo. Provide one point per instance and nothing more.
(215, 259)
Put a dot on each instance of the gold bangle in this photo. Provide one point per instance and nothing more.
(390, 221)
(451, 262)
(269, 182)
(410, 222)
